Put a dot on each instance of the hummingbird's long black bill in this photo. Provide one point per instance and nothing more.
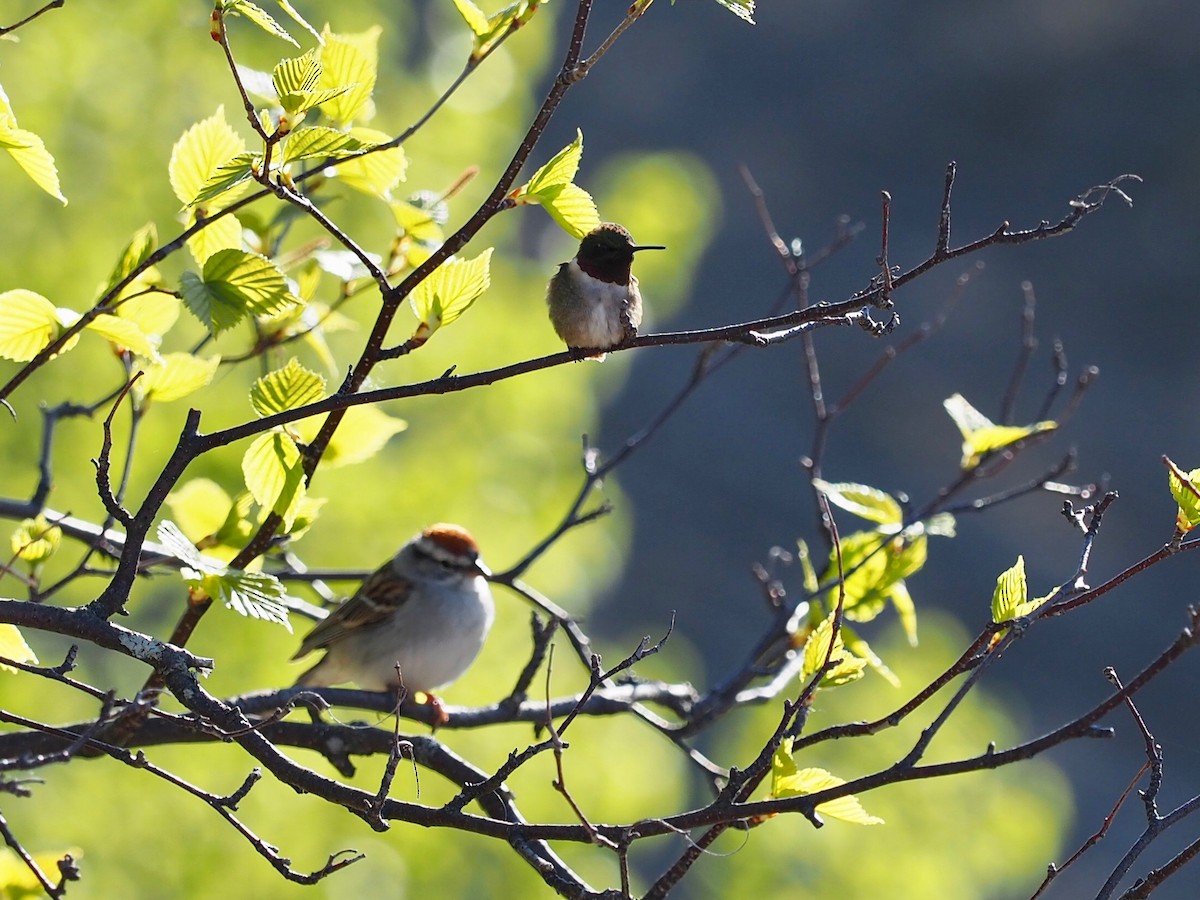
(647, 247)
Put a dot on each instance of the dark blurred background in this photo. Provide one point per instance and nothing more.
(829, 103)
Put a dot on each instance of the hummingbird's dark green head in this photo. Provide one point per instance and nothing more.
(607, 252)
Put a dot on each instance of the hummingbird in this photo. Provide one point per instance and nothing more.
(594, 299)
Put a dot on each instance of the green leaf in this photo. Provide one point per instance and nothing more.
(1010, 599)
(863, 501)
(30, 153)
(377, 173)
(475, 18)
(138, 250)
(123, 334)
(235, 284)
(286, 388)
(154, 313)
(174, 376)
(350, 65)
(876, 566)
(35, 541)
(13, 646)
(363, 432)
(299, 19)
(449, 291)
(28, 323)
(200, 507)
(296, 82)
(560, 170)
(1185, 488)
(572, 208)
(417, 223)
(259, 17)
(319, 142)
(789, 781)
(198, 154)
(224, 233)
(274, 473)
(743, 9)
(252, 594)
(235, 171)
(845, 666)
(981, 436)
(806, 567)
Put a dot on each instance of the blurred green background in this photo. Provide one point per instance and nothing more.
(110, 92)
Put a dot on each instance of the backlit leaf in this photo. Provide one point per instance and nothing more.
(13, 646)
(1185, 488)
(1010, 599)
(30, 153)
(319, 143)
(274, 473)
(449, 291)
(844, 667)
(286, 388)
(981, 436)
(350, 62)
(572, 208)
(865, 502)
(28, 323)
(199, 507)
(560, 170)
(789, 781)
(363, 432)
(197, 155)
(174, 376)
(35, 540)
(259, 17)
(377, 173)
(123, 334)
(235, 284)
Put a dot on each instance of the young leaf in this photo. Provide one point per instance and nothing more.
(377, 173)
(743, 9)
(296, 82)
(789, 781)
(252, 594)
(199, 152)
(320, 143)
(30, 153)
(235, 284)
(28, 323)
(350, 65)
(299, 19)
(981, 436)
(876, 566)
(449, 291)
(274, 474)
(123, 334)
(154, 313)
(572, 208)
(363, 432)
(286, 388)
(233, 172)
(1185, 488)
(13, 646)
(865, 502)
(1010, 599)
(844, 667)
(560, 170)
(35, 540)
(139, 248)
(224, 233)
(475, 18)
(200, 507)
(259, 17)
(174, 376)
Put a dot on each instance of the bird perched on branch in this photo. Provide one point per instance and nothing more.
(426, 610)
(594, 299)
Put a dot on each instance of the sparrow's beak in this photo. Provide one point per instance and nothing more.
(482, 569)
(647, 247)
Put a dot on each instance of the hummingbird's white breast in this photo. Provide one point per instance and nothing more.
(590, 312)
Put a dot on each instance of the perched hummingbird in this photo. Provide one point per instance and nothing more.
(594, 300)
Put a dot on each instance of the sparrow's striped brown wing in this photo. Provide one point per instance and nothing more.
(380, 595)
